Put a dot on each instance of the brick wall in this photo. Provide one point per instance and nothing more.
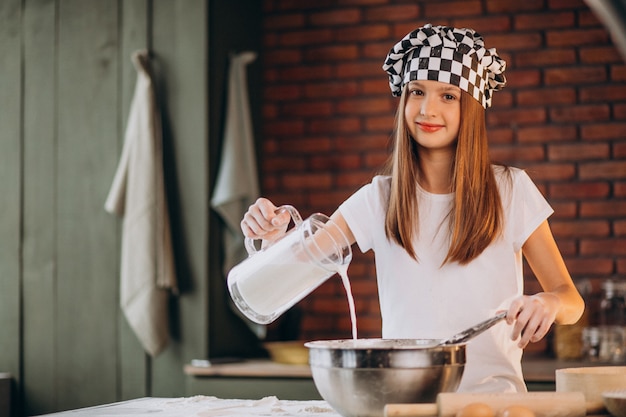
(328, 113)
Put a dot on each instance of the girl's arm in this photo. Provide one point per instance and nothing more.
(559, 302)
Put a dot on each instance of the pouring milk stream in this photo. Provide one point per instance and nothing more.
(273, 279)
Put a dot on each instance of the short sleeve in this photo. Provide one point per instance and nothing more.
(364, 212)
(527, 208)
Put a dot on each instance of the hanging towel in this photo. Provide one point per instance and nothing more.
(138, 195)
(237, 185)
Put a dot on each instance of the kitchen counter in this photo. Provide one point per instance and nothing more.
(203, 406)
(253, 379)
(539, 373)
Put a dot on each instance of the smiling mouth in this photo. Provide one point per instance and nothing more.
(427, 127)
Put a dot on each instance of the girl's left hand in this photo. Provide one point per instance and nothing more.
(532, 316)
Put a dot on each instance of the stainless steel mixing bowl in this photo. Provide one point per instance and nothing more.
(358, 377)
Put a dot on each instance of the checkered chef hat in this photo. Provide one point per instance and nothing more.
(449, 55)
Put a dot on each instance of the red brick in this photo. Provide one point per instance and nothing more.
(619, 150)
(374, 86)
(551, 172)
(619, 228)
(603, 93)
(306, 37)
(360, 70)
(353, 179)
(502, 99)
(500, 136)
(362, 34)
(483, 25)
(331, 53)
(599, 55)
(269, 111)
(335, 126)
(566, 4)
(606, 247)
(284, 128)
(336, 162)
(338, 17)
(564, 210)
(331, 89)
(279, 164)
(603, 170)
(546, 134)
(575, 75)
(580, 113)
(283, 21)
(514, 41)
(513, 7)
(576, 37)
(545, 57)
(392, 13)
(619, 189)
(587, 18)
(307, 180)
(364, 106)
(579, 190)
(590, 266)
(618, 72)
(282, 56)
(580, 228)
(604, 209)
(452, 8)
(362, 143)
(510, 154)
(523, 78)
(516, 117)
(360, 2)
(380, 123)
(578, 151)
(376, 51)
(546, 96)
(307, 72)
(303, 145)
(301, 4)
(282, 92)
(375, 159)
(543, 21)
(307, 109)
(619, 111)
(595, 131)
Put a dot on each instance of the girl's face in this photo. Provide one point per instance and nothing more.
(433, 114)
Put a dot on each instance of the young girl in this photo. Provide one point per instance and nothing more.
(448, 228)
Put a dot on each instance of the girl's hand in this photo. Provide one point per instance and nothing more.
(532, 317)
(261, 221)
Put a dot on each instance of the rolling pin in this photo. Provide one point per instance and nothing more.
(543, 404)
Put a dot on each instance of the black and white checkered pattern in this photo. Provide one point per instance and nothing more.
(449, 55)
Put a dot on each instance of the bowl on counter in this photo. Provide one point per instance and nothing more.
(358, 377)
(615, 402)
(592, 381)
(290, 352)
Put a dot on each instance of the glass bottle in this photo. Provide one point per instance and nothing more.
(612, 306)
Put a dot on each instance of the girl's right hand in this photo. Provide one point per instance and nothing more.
(262, 221)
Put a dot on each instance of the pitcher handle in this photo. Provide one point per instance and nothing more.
(295, 216)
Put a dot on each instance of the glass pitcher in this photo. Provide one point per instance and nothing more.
(271, 280)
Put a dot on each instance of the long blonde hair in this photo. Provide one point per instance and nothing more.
(476, 215)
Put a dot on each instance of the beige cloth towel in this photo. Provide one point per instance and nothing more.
(237, 184)
(138, 195)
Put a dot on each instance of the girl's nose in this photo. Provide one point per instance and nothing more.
(426, 106)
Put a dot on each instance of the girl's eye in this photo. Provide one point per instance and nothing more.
(449, 97)
(417, 92)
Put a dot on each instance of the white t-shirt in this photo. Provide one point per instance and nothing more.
(424, 300)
